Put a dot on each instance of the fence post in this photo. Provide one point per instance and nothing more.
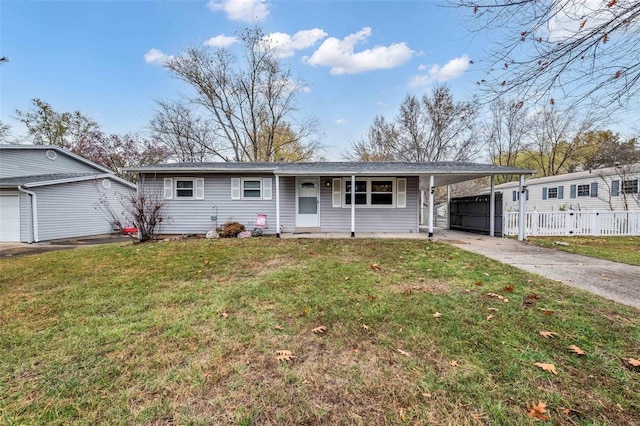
(595, 224)
(535, 225)
(633, 223)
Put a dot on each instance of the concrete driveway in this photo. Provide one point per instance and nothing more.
(615, 281)
(9, 250)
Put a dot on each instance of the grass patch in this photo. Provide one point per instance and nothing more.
(124, 334)
(618, 249)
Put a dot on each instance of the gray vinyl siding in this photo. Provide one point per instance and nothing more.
(194, 216)
(30, 162)
(338, 219)
(71, 210)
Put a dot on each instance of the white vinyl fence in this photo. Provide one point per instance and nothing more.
(596, 223)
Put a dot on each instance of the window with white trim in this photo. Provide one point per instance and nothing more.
(583, 190)
(184, 187)
(552, 192)
(629, 186)
(252, 188)
(371, 192)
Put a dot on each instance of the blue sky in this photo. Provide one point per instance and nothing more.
(358, 58)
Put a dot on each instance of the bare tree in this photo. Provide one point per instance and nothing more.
(432, 128)
(4, 132)
(555, 140)
(378, 144)
(249, 99)
(571, 49)
(186, 135)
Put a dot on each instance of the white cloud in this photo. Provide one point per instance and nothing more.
(341, 57)
(154, 56)
(452, 69)
(221, 41)
(286, 45)
(422, 67)
(241, 10)
(340, 121)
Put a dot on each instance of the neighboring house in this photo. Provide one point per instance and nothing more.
(300, 197)
(612, 188)
(48, 193)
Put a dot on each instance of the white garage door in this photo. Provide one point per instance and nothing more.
(9, 218)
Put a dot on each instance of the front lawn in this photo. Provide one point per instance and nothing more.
(618, 249)
(188, 332)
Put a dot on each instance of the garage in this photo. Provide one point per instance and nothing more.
(9, 218)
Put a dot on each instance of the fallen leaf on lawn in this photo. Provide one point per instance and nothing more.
(548, 334)
(225, 314)
(306, 311)
(548, 311)
(546, 367)
(426, 394)
(320, 329)
(634, 362)
(437, 315)
(478, 283)
(206, 261)
(505, 300)
(347, 278)
(486, 275)
(575, 349)
(495, 295)
(490, 317)
(571, 412)
(537, 410)
(284, 355)
(493, 309)
(365, 327)
(508, 288)
(371, 298)
(454, 363)
(403, 414)
(405, 353)
(375, 267)
(278, 327)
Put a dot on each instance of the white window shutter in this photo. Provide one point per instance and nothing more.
(336, 188)
(199, 184)
(235, 188)
(266, 189)
(401, 195)
(168, 188)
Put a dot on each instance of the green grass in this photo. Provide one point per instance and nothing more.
(126, 334)
(618, 249)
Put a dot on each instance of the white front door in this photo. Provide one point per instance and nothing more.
(9, 218)
(307, 202)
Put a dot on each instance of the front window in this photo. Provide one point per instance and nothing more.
(374, 192)
(553, 193)
(382, 192)
(583, 190)
(184, 188)
(361, 192)
(252, 188)
(630, 186)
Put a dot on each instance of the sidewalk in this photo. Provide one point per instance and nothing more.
(616, 281)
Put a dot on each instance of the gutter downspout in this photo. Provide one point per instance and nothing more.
(34, 212)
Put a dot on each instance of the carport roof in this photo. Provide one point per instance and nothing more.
(444, 172)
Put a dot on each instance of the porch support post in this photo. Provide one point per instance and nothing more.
(492, 209)
(353, 206)
(421, 207)
(448, 206)
(432, 190)
(278, 206)
(522, 211)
